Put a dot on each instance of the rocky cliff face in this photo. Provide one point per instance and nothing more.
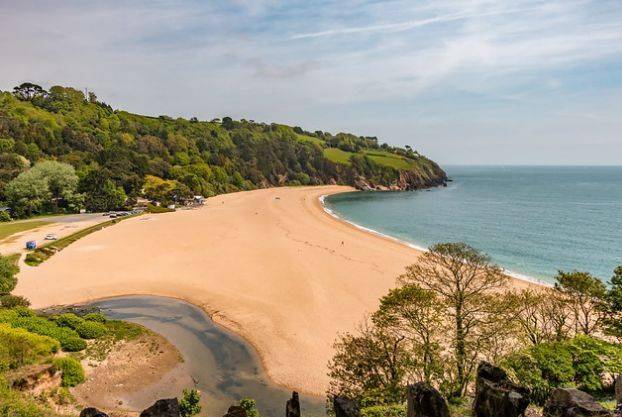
(414, 179)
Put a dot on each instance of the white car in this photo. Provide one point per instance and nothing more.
(51, 237)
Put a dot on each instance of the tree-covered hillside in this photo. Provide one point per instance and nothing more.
(104, 156)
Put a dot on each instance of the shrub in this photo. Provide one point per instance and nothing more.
(73, 344)
(5, 216)
(72, 371)
(14, 404)
(68, 320)
(96, 317)
(8, 270)
(393, 410)
(12, 301)
(20, 347)
(250, 406)
(189, 404)
(151, 208)
(91, 330)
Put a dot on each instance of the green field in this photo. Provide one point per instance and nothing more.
(390, 159)
(383, 158)
(337, 155)
(310, 139)
(10, 228)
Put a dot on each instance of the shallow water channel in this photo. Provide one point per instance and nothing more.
(224, 367)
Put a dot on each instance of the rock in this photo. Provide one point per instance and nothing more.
(425, 401)
(345, 407)
(292, 408)
(496, 395)
(235, 411)
(618, 389)
(570, 402)
(163, 408)
(92, 412)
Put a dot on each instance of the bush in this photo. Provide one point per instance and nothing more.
(5, 216)
(91, 330)
(250, 406)
(189, 404)
(12, 301)
(8, 270)
(20, 347)
(73, 344)
(151, 208)
(72, 371)
(68, 320)
(14, 404)
(393, 410)
(96, 317)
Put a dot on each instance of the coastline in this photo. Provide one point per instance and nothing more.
(318, 278)
(335, 215)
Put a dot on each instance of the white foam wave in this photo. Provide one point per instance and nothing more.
(332, 213)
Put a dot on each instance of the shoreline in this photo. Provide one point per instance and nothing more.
(333, 214)
(318, 278)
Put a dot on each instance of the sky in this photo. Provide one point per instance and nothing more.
(463, 82)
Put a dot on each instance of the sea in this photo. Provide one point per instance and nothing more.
(531, 220)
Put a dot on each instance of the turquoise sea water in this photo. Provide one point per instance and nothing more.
(532, 221)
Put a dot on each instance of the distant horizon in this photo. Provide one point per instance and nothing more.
(476, 82)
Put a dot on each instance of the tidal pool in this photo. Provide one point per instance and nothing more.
(224, 367)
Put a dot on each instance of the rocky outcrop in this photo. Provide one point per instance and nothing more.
(344, 407)
(425, 401)
(496, 395)
(292, 408)
(235, 411)
(570, 402)
(92, 412)
(163, 408)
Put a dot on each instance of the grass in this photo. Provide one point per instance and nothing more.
(337, 155)
(390, 159)
(43, 253)
(10, 228)
(311, 139)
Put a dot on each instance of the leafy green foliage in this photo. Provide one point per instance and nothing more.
(250, 406)
(72, 371)
(20, 347)
(14, 403)
(189, 403)
(91, 330)
(393, 410)
(579, 362)
(12, 301)
(113, 152)
(8, 270)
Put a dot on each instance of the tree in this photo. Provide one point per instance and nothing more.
(62, 183)
(8, 270)
(585, 294)
(27, 193)
(371, 365)
(28, 91)
(102, 194)
(612, 307)
(189, 404)
(464, 279)
(416, 314)
(227, 123)
(541, 315)
(250, 406)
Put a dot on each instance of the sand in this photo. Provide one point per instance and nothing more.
(269, 264)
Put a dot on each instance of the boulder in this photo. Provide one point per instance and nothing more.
(345, 407)
(92, 412)
(496, 395)
(292, 408)
(163, 408)
(425, 401)
(570, 402)
(618, 389)
(235, 411)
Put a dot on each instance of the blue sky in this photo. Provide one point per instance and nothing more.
(465, 82)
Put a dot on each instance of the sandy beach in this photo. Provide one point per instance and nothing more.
(269, 264)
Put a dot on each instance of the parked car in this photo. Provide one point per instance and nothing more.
(51, 236)
(31, 244)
